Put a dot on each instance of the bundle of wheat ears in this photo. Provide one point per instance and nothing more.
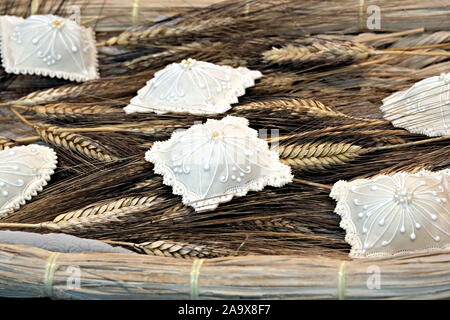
(324, 80)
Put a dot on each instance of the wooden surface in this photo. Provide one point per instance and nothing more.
(111, 15)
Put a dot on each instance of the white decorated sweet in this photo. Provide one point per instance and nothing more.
(395, 214)
(24, 171)
(194, 87)
(424, 108)
(48, 45)
(210, 163)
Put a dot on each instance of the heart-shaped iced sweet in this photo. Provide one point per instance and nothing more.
(210, 163)
(395, 214)
(24, 171)
(195, 87)
(48, 45)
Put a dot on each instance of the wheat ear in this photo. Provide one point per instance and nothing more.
(75, 225)
(103, 212)
(72, 141)
(321, 52)
(296, 106)
(175, 249)
(320, 156)
(101, 209)
(326, 52)
(97, 217)
(66, 92)
(274, 224)
(64, 110)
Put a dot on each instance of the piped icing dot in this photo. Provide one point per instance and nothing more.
(402, 197)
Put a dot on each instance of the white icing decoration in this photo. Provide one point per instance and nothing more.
(210, 163)
(48, 45)
(24, 171)
(194, 87)
(424, 108)
(395, 214)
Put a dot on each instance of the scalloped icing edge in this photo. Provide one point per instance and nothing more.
(339, 193)
(50, 73)
(32, 189)
(398, 96)
(202, 205)
(248, 80)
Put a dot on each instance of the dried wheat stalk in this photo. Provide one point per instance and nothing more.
(320, 52)
(102, 209)
(110, 214)
(83, 224)
(176, 249)
(149, 60)
(275, 83)
(273, 224)
(341, 128)
(388, 139)
(71, 141)
(54, 94)
(296, 106)
(140, 37)
(91, 222)
(171, 54)
(109, 89)
(5, 142)
(148, 183)
(64, 110)
(321, 156)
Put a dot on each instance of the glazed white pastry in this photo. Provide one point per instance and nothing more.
(194, 87)
(210, 163)
(424, 108)
(24, 171)
(48, 45)
(395, 214)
